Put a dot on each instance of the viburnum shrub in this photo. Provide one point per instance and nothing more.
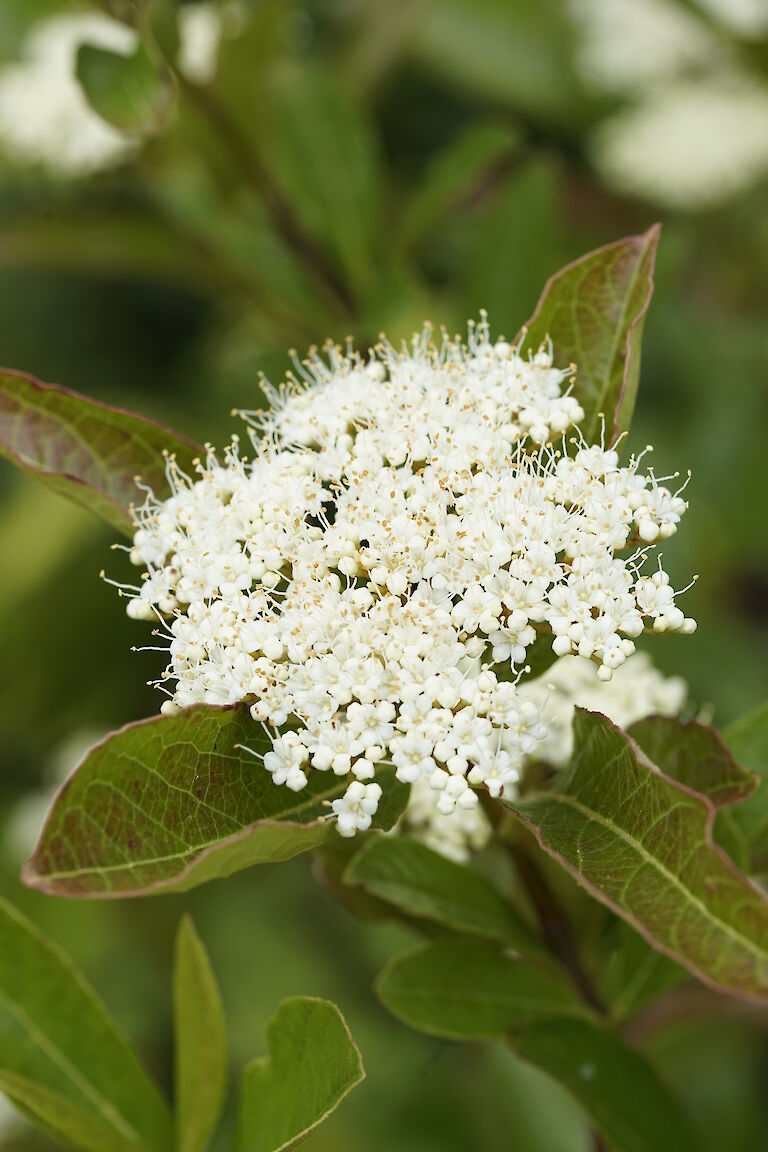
(403, 606)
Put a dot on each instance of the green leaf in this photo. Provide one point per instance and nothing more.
(694, 755)
(517, 237)
(174, 801)
(57, 1043)
(133, 93)
(85, 450)
(423, 884)
(469, 989)
(631, 973)
(631, 1106)
(642, 844)
(747, 739)
(200, 1043)
(59, 1117)
(455, 172)
(593, 311)
(313, 1064)
(520, 54)
(320, 153)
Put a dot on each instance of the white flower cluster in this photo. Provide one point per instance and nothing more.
(695, 132)
(691, 144)
(636, 690)
(45, 118)
(371, 580)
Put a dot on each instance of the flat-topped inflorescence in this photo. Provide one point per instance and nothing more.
(371, 581)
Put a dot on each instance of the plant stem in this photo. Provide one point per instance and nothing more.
(554, 926)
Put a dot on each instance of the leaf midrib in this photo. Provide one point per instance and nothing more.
(672, 879)
(102, 1104)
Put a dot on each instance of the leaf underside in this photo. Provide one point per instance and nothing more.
(593, 311)
(88, 451)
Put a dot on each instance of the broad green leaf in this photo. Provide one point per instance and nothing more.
(58, 1041)
(77, 1127)
(320, 153)
(200, 1043)
(469, 989)
(642, 844)
(134, 93)
(423, 884)
(631, 1106)
(313, 1064)
(455, 172)
(747, 739)
(88, 451)
(174, 801)
(695, 755)
(593, 311)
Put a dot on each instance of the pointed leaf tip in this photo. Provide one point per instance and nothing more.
(593, 311)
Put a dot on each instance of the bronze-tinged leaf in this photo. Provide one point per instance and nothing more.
(86, 450)
(642, 843)
(695, 755)
(172, 802)
(593, 311)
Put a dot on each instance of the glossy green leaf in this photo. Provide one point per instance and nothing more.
(747, 739)
(469, 989)
(593, 311)
(88, 451)
(425, 885)
(642, 844)
(132, 92)
(168, 803)
(455, 173)
(200, 1043)
(630, 1104)
(58, 1045)
(313, 1064)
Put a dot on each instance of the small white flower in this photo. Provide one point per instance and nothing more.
(356, 807)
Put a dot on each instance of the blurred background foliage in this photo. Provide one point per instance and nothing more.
(316, 169)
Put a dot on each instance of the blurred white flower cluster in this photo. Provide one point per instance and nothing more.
(636, 690)
(695, 130)
(11, 1122)
(370, 581)
(45, 118)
